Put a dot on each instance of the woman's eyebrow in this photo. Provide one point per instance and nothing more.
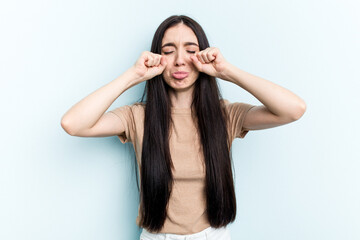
(173, 45)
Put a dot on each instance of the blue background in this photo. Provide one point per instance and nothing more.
(298, 181)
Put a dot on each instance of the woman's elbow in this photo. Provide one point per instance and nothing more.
(66, 126)
(299, 111)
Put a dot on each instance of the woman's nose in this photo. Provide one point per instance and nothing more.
(180, 59)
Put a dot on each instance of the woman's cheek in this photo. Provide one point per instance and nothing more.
(167, 71)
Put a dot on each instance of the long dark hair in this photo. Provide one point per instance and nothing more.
(156, 164)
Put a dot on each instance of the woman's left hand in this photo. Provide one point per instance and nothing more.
(210, 61)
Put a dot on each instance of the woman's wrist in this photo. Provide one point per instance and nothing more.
(226, 73)
(133, 77)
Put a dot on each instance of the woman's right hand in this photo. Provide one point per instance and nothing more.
(149, 65)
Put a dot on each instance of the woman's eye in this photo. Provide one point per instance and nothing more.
(192, 52)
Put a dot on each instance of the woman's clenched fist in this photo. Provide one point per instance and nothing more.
(149, 65)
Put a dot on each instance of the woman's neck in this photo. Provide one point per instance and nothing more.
(181, 99)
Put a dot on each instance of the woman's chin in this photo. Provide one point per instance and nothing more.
(179, 82)
(181, 85)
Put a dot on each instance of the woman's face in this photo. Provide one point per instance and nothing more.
(178, 44)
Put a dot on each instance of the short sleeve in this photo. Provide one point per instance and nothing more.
(236, 115)
(125, 115)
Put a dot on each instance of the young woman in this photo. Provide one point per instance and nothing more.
(182, 133)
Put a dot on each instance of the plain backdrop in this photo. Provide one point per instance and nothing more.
(294, 182)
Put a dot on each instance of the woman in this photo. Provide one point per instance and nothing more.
(182, 134)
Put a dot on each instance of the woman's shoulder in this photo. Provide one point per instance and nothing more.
(137, 108)
(130, 111)
(224, 101)
(228, 104)
(140, 105)
(236, 108)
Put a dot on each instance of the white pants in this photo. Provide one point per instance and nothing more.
(209, 233)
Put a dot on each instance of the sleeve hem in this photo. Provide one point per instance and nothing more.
(122, 137)
(243, 132)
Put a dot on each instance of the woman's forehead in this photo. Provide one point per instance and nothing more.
(179, 34)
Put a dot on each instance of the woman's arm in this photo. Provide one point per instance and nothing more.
(84, 114)
(87, 119)
(281, 106)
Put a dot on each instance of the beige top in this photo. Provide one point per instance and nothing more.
(187, 204)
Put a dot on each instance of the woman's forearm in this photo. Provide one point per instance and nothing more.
(86, 113)
(277, 99)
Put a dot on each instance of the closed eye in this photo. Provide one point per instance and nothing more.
(173, 51)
